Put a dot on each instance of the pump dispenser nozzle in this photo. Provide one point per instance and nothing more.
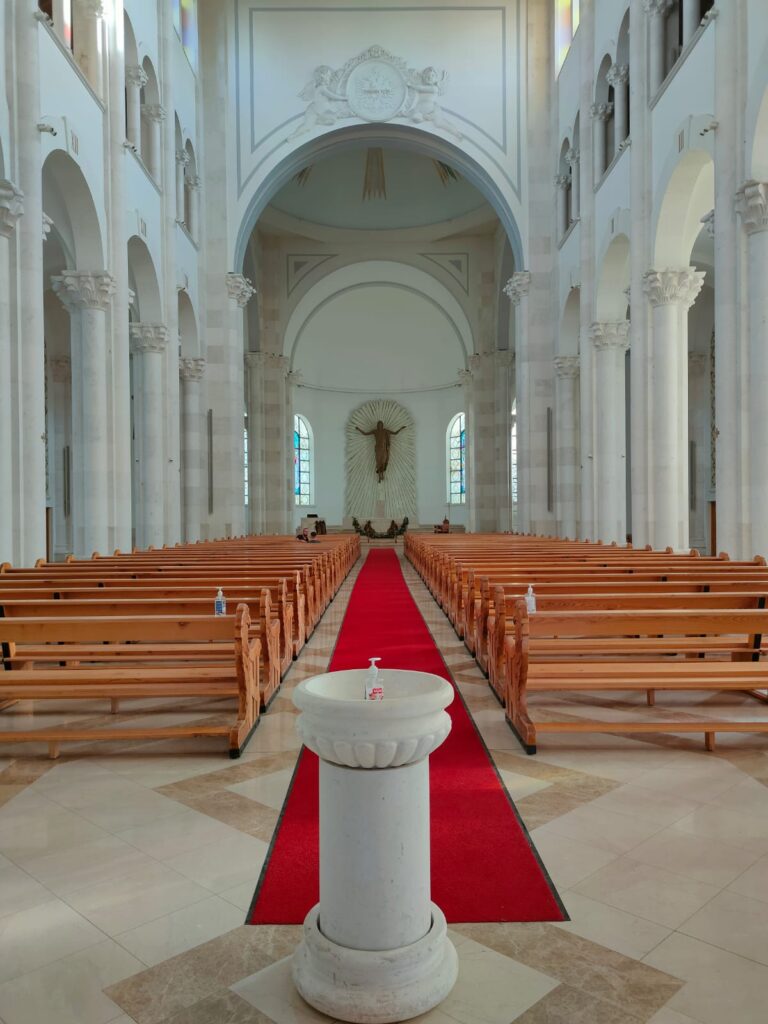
(372, 687)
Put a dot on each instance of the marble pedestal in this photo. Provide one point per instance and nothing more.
(375, 949)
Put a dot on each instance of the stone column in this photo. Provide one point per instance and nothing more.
(561, 184)
(87, 296)
(60, 415)
(671, 294)
(62, 20)
(148, 344)
(587, 247)
(481, 430)
(253, 385)
(567, 443)
(504, 363)
(691, 19)
(610, 341)
(656, 11)
(191, 373)
(90, 30)
(193, 184)
(617, 76)
(11, 208)
(230, 420)
(600, 113)
(154, 115)
(572, 156)
(516, 289)
(182, 159)
(699, 433)
(752, 204)
(135, 80)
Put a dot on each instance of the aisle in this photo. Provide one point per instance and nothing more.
(484, 867)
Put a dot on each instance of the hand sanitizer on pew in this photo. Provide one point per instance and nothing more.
(530, 600)
(373, 688)
(220, 603)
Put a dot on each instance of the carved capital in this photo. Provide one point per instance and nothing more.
(752, 205)
(562, 181)
(465, 377)
(572, 156)
(567, 367)
(11, 207)
(610, 334)
(61, 369)
(82, 289)
(239, 288)
(194, 183)
(656, 7)
(91, 8)
(708, 220)
(136, 76)
(517, 286)
(153, 112)
(601, 111)
(666, 286)
(148, 337)
(504, 358)
(191, 370)
(618, 74)
(47, 225)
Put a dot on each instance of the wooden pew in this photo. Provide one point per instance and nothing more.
(120, 658)
(647, 650)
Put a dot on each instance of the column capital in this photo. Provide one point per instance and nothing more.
(465, 377)
(153, 111)
(708, 220)
(752, 205)
(601, 111)
(11, 206)
(191, 369)
(504, 358)
(610, 334)
(517, 286)
(148, 337)
(572, 156)
(656, 6)
(61, 369)
(136, 75)
(182, 157)
(239, 288)
(91, 8)
(194, 183)
(567, 367)
(47, 225)
(84, 289)
(667, 286)
(562, 181)
(617, 74)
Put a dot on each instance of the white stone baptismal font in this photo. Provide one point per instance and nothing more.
(375, 948)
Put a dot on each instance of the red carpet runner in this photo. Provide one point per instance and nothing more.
(483, 865)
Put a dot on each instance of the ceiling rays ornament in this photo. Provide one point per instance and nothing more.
(375, 86)
(397, 490)
(374, 179)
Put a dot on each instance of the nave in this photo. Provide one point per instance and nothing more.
(126, 872)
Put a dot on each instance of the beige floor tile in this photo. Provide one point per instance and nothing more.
(240, 896)
(269, 790)
(568, 861)
(754, 881)
(626, 933)
(88, 864)
(714, 862)
(647, 891)
(127, 902)
(69, 991)
(649, 804)
(616, 833)
(169, 837)
(717, 821)
(223, 864)
(721, 987)
(33, 827)
(519, 786)
(667, 1016)
(35, 937)
(18, 890)
(130, 811)
(276, 732)
(184, 929)
(695, 778)
(735, 923)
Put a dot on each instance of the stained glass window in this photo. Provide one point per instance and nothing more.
(457, 460)
(189, 30)
(567, 15)
(302, 461)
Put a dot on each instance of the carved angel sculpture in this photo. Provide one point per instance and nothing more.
(324, 103)
(425, 87)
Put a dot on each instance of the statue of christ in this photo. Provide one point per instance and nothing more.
(382, 439)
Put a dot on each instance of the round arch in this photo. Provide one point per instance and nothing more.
(142, 277)
(67, 200)
(369, 272)
(610, 299)
(568, 336)
(187, 326)
(688, 196)
(386, 135)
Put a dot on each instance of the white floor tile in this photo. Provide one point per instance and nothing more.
(626, 933)
(735, 923)
(38, 936)
(568, 861)
(222, 865)
(166, 838)
(182, 930)
(711, 860)
(269, 789)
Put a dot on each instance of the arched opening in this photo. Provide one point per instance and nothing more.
(603, 114)
(151, 115)
(456, 460)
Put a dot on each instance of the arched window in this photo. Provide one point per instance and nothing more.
(303, 460)
(566, 23)
(457, 460)
(189, 30)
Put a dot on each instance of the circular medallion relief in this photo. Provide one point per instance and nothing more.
(376, 91)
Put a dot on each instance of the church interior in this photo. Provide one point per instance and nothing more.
(429, 333)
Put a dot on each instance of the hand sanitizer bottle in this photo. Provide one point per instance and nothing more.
(530, 600)
(373, 688)
(220, 604)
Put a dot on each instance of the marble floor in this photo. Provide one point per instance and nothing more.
(126, 872)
